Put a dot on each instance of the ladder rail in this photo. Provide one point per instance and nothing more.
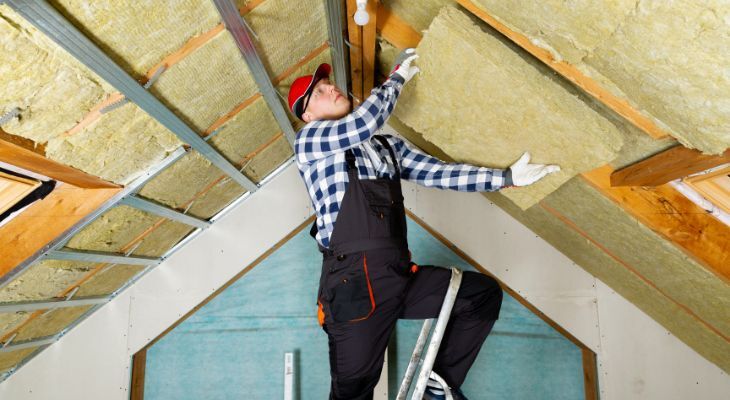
(433, 346)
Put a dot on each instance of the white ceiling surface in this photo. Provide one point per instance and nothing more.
(638, 359)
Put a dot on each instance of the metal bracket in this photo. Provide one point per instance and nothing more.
(9, 115)
(147, 85)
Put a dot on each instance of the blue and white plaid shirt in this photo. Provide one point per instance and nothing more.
(320, 154)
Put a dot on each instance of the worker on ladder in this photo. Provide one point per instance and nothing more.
(368, 281)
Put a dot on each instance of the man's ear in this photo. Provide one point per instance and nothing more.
(306, 117)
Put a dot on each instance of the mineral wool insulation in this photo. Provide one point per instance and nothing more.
(500, 104)
(668, 58)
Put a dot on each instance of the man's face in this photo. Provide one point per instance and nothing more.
(326, 102)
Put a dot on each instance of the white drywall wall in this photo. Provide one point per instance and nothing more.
(637, 358)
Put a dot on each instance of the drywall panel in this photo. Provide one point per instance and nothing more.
(505, 103)
(138, 37)
(642, 360)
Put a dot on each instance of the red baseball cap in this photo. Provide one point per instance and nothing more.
(302, 87)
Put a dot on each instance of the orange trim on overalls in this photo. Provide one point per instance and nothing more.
(320, 314)
(370, 290)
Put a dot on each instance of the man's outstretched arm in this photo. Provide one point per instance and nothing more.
(421, 168)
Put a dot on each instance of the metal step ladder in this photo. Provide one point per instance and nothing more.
(426, 362)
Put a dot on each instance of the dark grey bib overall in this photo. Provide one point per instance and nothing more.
(371, 217)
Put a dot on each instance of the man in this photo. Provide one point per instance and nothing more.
(368, 281)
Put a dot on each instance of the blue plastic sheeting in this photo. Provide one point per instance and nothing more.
(233, 347)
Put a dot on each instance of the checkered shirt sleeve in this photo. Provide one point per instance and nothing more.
(426, 170)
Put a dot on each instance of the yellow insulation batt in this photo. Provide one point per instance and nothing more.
(669, 59)
(11, 358)
(44, 280)
(51, 89)
(118, 147)
(8, 321)
(208, 83)
(113, 230)
(484, 102)
(50, 323)
(286, 31)
(108, 280)
(138, 35)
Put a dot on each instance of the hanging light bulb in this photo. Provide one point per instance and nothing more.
(361, 16)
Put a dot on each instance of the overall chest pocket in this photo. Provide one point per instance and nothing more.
(348, 289)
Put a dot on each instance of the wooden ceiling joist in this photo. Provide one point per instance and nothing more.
(354, 34)
(677, 162)
(33, 161)
(396, 31)
(573, 74)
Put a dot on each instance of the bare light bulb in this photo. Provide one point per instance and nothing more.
(361, 16)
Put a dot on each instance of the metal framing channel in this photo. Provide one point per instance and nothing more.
(335, 18)
(162, 211)
(100, 257)
(30, 343)
(235, 25)
(50, 304)
(49, 21)
(61, 239)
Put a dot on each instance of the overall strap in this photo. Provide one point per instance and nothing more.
(385, 144)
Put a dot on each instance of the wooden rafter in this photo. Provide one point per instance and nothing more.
(673, 216)
(396, 31)
(33, 161)
(666, 166)
(573, 74)
(45, 220)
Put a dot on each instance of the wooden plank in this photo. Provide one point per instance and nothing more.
(666, 166)
(354, 32)
(714, 186)
(45, 220)
(139, 365)
(13, 189)
(673, 216)
(34, 162)
(396, 31)
(369, 38)
(620, 106)
(20, 141)
(590, 375)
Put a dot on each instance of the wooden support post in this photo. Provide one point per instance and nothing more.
(354, 32)
(139, 365)
(677, 162)
(590, 374)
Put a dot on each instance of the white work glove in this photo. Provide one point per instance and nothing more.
(524, 173)
(403, 64)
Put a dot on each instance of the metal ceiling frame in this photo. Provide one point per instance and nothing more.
(61, 31)
(335, 19)
(237, 27)
(162, 211)
(57, 28)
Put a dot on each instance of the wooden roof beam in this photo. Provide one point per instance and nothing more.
(33, 161)
(677, 162)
